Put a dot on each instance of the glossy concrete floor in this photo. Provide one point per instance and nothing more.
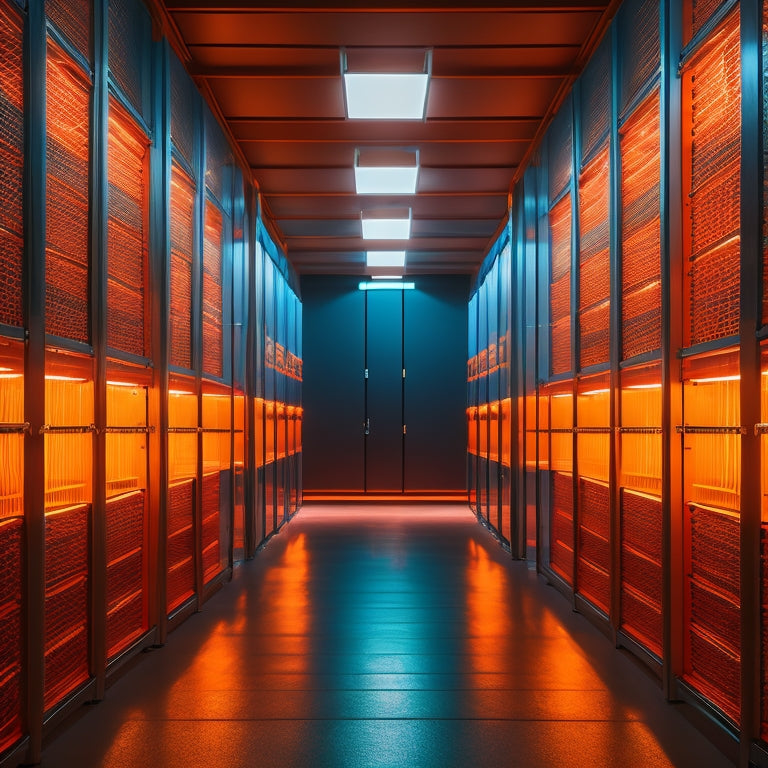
(384, 636)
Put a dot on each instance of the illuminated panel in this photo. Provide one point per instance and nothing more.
(561, 463)
(11, 579)
(560, 286)
(712, 84)
(641, 231)
(213, 340)
(12, 162)
(127, 233)
(712, 477)
(182, 243)
(639, 47)
(594, 262)
(696, 14)
(66, 601)
(67, 188)
(764, 534)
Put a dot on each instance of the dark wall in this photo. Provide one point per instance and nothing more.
(345, 330)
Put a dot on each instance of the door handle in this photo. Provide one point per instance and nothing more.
(367, 427)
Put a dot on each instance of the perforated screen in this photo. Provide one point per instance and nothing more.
(180, 552)
(12, 161)
(130, 32)
(594, 261)
(641, 230)
(182, 243)
(560, 154)
(211, 513)
(127, 234)
(213, 341)
(67, 190)
(713, 85)
(72, 18)
(596, 99)
(184, 120)
(594, 550)
(561, 534)
(698, 13)
(11, 579)
(639, 47)
(560, 286)
(66, 602)
(125, 523)
(218, 162)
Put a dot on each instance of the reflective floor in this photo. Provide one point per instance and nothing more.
(384, 636)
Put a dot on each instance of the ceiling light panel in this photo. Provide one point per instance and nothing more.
(385, 258)
(380, 96)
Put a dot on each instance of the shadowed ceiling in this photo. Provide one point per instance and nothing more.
(498, 71)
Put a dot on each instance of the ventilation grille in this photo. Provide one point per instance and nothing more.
(72, 18)
(594, 262)
(66, 602)
(12, 160)
(639, 47)
(184, 121)
(182, 244)
(67, 190)
(560, 287)
(11, 579)
(560, 143)
(130, 31)
(180, 554)
(213, 340)
(127, 234)
(211, 515)
(561, 543)
(641, 231)
(713, 80)
(125, 522)
(596, 99)
(594, 550)
(641, 569)
(713, 604)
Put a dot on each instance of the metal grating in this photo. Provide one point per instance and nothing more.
(596, 99)
(11, 579)
(560, 144)
(12, 162)
(66, 602)
(713, 597)
(713, 81)
(180, 552)
(67, 189)
(213, 338)
(698, 13)
(127, 234)
(218, 162)
(184, 120)
(560, 286)
(130, 34)
(561, 536)
(211, 525)
(182, 248)
(72, 19)
(594, 549)
(125, 524)
(639, 144)
(639, 47)
(594, 261)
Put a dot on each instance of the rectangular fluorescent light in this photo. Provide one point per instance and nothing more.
(386, 277)
(383, 96)
(386, 229)
(385, 258)
(396, 180)
(381, 285)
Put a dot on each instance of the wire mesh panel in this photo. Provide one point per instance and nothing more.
(596, 99)
(211, 514)
(560, 286)
(130, 32)
(184, 121)
(561, 532)
(180, 553)
(182, 249)
(72, 18)
(712, 173)
(764, 632)
(66, 601)
(560, 145)
(213, 339)
(639, 47)
(67, 153)
(594, 261)
(11, 579)
(765, 163)
(12, 163)
(218, 162)
(594, 550)
(696, 14)
(639, 142)
(127, 234)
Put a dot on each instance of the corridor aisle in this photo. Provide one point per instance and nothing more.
(384, 636)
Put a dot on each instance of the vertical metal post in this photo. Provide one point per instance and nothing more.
(251, 389)
(98, 274)
(752, 288)
(34, 374)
